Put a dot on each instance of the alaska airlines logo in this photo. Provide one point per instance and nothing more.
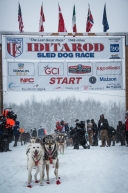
(107, 79)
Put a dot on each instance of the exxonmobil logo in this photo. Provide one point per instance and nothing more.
(26, 80)
(57, 47)
(108, 68)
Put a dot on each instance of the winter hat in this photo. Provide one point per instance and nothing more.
(92, 120)
(76, 120)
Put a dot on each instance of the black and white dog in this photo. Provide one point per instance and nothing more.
(50, 157)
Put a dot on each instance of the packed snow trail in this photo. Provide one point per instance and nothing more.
(94, 170)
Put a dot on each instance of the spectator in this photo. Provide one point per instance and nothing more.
(103, 128)
(21, 130)
(95, 133)
(16, 133)
(111, 135)
(58, 126)
(90, 131)
(41, 132)
(126, 128)
(121, 133)
(34, 132)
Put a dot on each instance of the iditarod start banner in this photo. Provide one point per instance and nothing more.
(64, 63)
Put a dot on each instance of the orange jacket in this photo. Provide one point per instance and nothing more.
(21, 130)
(9, 123)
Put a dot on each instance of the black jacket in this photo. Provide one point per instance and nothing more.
(103, 124)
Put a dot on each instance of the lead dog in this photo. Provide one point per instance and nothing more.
(35, 159)
(32, 140)
(50, 157)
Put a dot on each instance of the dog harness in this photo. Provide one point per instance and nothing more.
(36, 161)
(52, 156)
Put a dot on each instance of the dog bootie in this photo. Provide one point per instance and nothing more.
(58, 182)
(37, 181)
(29, 186)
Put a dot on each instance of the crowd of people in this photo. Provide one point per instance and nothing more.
(84, 133)
(90, 132)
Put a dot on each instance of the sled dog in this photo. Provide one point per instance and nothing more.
(35, 158)
(50, 157)
(32, 140)
(61, 141)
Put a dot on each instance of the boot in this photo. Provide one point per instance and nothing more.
(108, 143)
(113, 143)
(103, 144)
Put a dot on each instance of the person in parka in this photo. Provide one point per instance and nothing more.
(121, 133)
(103, 128)
(95, 133)
(111, 135)
(16, 133)
(79, 135)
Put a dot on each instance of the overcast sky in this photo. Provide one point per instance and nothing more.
(117, 14)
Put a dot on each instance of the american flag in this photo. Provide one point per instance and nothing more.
(90, 20)
(21, 26)
(42, 20)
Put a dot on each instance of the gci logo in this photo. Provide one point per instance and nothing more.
(51, 71)
(27, 80)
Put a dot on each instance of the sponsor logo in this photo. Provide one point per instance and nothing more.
(79, 69)
(92, 80)
(71, 88)
(12, 86)
(20, 71)
(107, 79)
(33, 89)
(20, 65)
(100, 88)
(58, 87)
(113, 86)
(51, 70)
(114, 47)
(26, 80)
(108, 68)
(114, 56)
(15, 46)
(87, 87)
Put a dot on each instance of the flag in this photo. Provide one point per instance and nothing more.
(105, 21)
(74, 20)
(90, 21)
(21, 25)
(42, 19)
(61, 25)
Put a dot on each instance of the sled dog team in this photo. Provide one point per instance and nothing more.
(41, 153)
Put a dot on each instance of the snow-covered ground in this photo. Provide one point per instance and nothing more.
(95, 170)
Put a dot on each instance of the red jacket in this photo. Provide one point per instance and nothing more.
(59, 126)
(126, 125)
